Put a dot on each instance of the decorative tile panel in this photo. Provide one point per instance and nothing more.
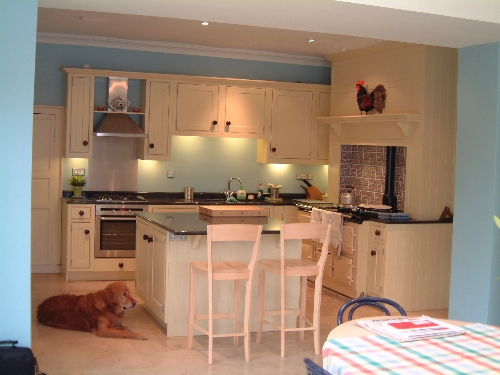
(363, 167)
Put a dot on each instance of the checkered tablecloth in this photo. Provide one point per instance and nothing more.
(475, 352)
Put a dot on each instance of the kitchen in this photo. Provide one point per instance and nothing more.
(479, 154)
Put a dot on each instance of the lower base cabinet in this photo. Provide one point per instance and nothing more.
(151, 258)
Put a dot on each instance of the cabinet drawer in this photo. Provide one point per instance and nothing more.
(76, 212)
(113, 264)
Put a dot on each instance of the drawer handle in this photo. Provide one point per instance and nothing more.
(120, 265)
(151, 145)
(87, 231)
(228, 123)
(81, 213)
(85, 143)
(214, 122)
(145, 237)
(373, 253)
(273, 149)
(377, 233)
(150, 239)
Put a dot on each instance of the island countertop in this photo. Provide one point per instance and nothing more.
(190, 223)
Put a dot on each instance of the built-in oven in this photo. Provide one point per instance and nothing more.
(115, 230)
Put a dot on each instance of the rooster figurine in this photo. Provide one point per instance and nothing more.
(367, 102)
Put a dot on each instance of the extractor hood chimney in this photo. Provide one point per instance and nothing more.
(116, 122)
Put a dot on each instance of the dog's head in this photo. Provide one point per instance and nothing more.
(118, 295)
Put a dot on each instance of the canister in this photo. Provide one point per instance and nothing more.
(189, 193)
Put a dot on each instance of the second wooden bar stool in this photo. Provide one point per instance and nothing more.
(225, 270)
(295, 267)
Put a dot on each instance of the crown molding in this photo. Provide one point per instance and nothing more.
(177, 48)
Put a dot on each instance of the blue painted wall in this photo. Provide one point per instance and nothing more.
(475, 295)
(204, 163)
(17, 64)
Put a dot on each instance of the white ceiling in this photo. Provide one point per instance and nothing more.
(265, 29)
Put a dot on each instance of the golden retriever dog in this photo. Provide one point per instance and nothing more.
(101, 312)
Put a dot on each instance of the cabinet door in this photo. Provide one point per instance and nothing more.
(292, 119)
(375, 269)
(79, 116)
(343, 270)
(197, 108)
(247, 110)
(158, 266)
(81, 245)
(321, 135)
(141, 260)
(157, 145)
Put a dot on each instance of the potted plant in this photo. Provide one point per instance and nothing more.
(78, 182)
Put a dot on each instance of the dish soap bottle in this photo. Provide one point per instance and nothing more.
(260, 192)
(241, 195)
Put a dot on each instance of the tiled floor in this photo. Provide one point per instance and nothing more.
(67, 352)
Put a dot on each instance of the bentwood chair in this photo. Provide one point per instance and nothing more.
(377, 302)
(314, 369)
(302, 268)
(225, 270)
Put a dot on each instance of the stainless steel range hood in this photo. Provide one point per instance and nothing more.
(117, 123)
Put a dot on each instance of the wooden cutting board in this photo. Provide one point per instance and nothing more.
(233, 211)
(234, 220)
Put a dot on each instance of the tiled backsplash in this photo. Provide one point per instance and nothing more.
(363, 167)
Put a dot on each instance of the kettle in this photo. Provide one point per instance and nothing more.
(348, 197)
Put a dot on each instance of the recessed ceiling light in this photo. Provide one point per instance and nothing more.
(379, 41)
(310, 40)
(204, 23)
(84, 18)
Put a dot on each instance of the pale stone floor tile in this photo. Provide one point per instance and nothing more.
(65, 352)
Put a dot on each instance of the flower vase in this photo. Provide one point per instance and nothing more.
(77, 191)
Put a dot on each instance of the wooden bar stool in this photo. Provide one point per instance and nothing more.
(295, 267)
(225, 270)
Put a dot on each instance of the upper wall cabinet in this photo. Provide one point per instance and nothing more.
(281, 115)
(88, 89)
(222, 111)
(295, 136)
(157, 122)
(79, 121)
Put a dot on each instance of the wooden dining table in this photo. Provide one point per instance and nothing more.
(350, 350)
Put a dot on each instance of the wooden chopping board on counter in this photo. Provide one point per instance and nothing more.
(234, 219)
(233, 211)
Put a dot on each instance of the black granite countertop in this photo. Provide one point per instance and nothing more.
(178, 198)
(190, 223)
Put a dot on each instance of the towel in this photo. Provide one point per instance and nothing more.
(336, 232)
(316, 215)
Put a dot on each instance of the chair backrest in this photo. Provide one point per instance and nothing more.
(234, 232)
(313, 369)
(306, 231)
(377, 302)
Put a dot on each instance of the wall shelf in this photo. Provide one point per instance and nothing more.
(373, 128)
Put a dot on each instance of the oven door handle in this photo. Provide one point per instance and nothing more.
(124, 218)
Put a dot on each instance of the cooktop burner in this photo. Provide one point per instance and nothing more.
(117, 197)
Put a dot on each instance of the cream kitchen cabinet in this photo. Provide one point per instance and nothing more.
(410, 263)
(157, 121)
(78, 238)
(207, 109)
(79, 115)
(295, 136)
(285, 213)
(151, 258)
(78, 261)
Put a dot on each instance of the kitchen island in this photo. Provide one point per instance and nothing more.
(168, 242)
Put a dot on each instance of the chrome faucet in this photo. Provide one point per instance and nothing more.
(230, 192)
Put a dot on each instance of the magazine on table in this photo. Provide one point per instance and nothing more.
(410, 328)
